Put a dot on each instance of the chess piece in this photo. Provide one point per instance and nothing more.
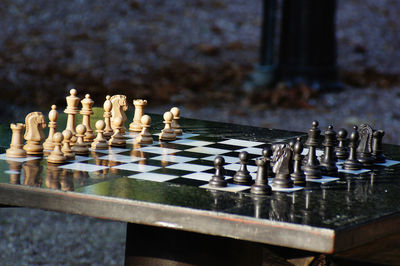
(53, 115)
(15, 171)
(117, 140)
(364, 149)
(66, 148)
(145, 137)
(53, 176)
(377, 149)
(136, 125)
(312, 169)
(341, 150)
(119, 107)
(34, 123)
(72, 110)
(167, 133)
(298, 175)
(32, 170)
(328, 163)
(218, 179)
(242, 176)
(283, 168)
(352, 162)
(80, 146)
(86, 112)
(261, 187)
(100, 143)
(267, 153)
(108, 131)
(16, 146)
(66, 181)
(57, 156)
(175, 121)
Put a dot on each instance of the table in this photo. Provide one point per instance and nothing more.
(180, 225)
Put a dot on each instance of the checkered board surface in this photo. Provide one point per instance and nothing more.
(185, 161)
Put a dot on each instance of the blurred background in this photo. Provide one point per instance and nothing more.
(201, 55)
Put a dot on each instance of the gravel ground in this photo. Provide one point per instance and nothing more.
(47, 47)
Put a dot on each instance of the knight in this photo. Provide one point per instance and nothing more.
(283, 167)
(119, 107)
(364, 149)
(34, 123)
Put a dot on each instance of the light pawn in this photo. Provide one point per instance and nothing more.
(100, 143)
(145, 137)
(57, 156)
(53, 115)
(167, 133)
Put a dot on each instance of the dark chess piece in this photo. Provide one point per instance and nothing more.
(341, 150)
(312, 168)
(261, 186)
(377, 149)
(283, 167)
(364, 149)
(298, 175)
(352, 162)
(242, 176)
(218, 179)
(329, 163)
(267, 153)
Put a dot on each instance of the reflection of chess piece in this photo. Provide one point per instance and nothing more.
(66, 148)
(34, 123)
(15, 172)
(80, 146)
(280, 207)
(145, 137)
(66, 180)
(175, 121)
(57, 156)
(52, 176)
(136, 125)
(218, 179)
(32, 171)
(117, 140)
(108, 131)
(167, 133)
(260, 207)
(53, 115)
(72, 110)
(100, 143)
(86, 112)
(16, 147)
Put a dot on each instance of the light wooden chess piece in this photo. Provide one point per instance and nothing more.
(108, 131)
(66, 148)
(175, 121)
(57, 156)
(100, 143)
(119, 107)
(167, 133)
(145, 136)
(117, 140)
(86, 112)
(34, 123)
(17, 142)
(53, 115)
(80, 146)
(72, 110)
(136, 125)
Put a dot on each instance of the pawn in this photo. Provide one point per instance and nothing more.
(167, 133)
(242, 176)
(80, 146)
(145, 137)
(261, 186)
(377, 149)
(175, 121)
(66, 148)
(267, 153)
(328, 162)
(100, 143)
(352, 162)
(298, 175)
(16, 147)
(57, 156)
(341, 150)
(53, 115)
(108, 131)
(218, 179)
(117, 140)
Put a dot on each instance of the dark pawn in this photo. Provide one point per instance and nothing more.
(312, 168)
(341, 150)
(218, 179)
(267, 153)
(298, 175)
(329, 163)
(261, 186)
(242, 176)
(377, 149)
(352, 162)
